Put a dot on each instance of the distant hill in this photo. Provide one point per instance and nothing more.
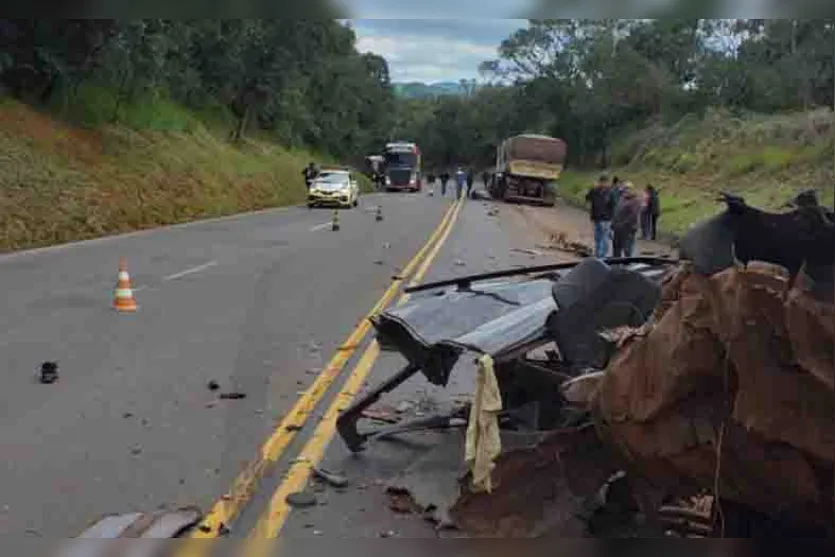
(418, 90)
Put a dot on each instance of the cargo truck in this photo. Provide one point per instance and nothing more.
(527, 169)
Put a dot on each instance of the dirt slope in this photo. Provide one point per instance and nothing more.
(766, 158)
(62, 183)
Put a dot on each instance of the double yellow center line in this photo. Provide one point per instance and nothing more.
(230, 505)
(271, 522)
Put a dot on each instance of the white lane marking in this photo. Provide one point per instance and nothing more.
(191, 271)
(10, 256)
(320, 226)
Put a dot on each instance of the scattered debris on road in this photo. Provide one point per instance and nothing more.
(159, 525)
(380, 416)
(561, 242)
(666, 398)
(232, 396)
(48, 373)
(331, 478)
(528, 251)
(302, 500)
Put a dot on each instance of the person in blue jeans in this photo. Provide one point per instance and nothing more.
(602, 207)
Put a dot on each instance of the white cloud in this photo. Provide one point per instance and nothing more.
(433, 8)
(432, 50)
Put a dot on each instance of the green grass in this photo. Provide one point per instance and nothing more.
(766, 158)
(163, 166)
(96, 106)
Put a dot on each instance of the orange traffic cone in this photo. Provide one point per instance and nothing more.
(123, 299)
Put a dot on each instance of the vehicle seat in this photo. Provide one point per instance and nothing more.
(594, 297)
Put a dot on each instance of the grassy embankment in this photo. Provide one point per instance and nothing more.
(162, 165)
(766, 158)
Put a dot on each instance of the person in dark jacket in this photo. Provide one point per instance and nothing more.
(617, 189)
(310, 172)
(444, 182)
(625, 221)
(470, 181)
(646, 220)
(602, 206)
(653, 212)
(485, 177)
(460, 182)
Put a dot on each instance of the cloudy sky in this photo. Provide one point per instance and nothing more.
(432, 50)
(420, 47)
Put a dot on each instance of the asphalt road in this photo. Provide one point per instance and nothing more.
(256, 303)
(478, 243)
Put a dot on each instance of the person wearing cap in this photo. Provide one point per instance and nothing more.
(602, 207)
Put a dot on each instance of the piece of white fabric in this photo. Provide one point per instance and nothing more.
(484, 443)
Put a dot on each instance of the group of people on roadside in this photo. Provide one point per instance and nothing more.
(618, 211)
(463, 178)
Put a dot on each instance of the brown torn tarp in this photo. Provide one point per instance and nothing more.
(731, 387)
(539, 489)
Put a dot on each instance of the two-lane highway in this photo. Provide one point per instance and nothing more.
(257, 303)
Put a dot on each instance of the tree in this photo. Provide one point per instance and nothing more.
(588, 81)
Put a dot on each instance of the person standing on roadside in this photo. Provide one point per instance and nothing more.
(460, 180)
(485, 177)
(602, 206)
(654, 203)
(617, 189)
(444, 182)
(310, 173)
(625, 221)
(470, 181)
(646, 220)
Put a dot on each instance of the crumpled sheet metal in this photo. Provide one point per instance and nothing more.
(731, 341)
(494, 318)
(158, 526)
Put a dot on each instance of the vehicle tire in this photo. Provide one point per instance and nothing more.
(356, 202)
(310, 205)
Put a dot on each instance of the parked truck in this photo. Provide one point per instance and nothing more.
(527, 169)
(403, 166)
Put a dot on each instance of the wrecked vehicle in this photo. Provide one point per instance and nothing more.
(635, 398)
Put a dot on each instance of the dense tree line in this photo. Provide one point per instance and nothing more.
(588, 81)
(301, 80)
